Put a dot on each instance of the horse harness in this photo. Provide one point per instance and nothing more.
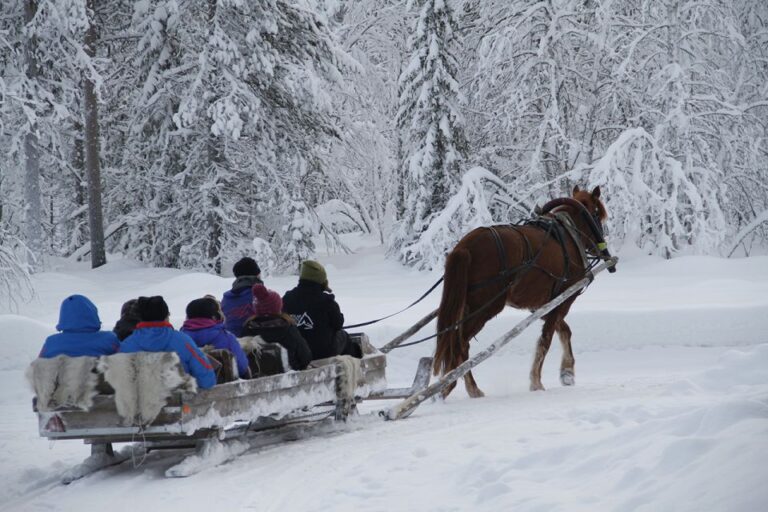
(560, 227)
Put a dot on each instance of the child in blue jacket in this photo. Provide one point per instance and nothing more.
(155, 334)
(80, 334)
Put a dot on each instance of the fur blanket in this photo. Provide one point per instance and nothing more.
(261, 356)
(143, 382)
(63, 382)
(349, 377)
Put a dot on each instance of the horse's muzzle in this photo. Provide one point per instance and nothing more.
(606, 255)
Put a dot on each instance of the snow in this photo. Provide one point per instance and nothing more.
(669, 411)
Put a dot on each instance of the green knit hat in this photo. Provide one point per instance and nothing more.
(313, 271)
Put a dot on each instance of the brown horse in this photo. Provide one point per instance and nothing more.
(522, 266)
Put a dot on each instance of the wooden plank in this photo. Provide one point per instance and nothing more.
(407, 406)
(220, 412)
(420, 381)
(410, 332)
(261, 385)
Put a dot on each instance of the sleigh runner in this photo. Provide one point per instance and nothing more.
(329, 389)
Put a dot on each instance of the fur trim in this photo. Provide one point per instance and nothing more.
(143, 382)
(350, 376)
(63, 381)
(252, 343)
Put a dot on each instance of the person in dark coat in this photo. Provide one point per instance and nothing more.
(204, 324)
(237, 303)
(155, 334)
(317, 315)
(275, 327)
(80, 333)
(129, 317)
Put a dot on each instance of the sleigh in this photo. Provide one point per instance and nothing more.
(215, 421)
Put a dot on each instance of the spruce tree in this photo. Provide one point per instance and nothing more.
(430, 124)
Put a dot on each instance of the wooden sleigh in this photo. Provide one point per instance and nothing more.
(227, 414)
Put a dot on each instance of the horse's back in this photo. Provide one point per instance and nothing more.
(525, 256)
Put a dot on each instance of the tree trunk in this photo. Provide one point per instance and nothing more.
(78, 233)
(33, 207)
(92, 150)
(214, 220)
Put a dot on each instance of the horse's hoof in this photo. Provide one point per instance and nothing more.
(477, 393)
(537, 387)
(567, 378)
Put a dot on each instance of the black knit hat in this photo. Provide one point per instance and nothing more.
(152, 309)
(246, 267)
(203, 308)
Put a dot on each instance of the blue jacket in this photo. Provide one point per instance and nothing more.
(160, 337)
(237, 304)
(80, 335)
(206, 331)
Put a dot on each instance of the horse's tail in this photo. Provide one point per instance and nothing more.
(448, 350)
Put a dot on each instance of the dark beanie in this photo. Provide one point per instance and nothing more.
(129, 309)
(246, 267)
(203, 308)
(152, 309)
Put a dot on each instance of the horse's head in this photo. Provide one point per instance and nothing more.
(591, 201)
(596, 210)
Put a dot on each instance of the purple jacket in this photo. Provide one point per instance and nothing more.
(207, 331)
(237, 304)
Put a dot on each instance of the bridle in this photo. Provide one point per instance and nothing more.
(593, 223)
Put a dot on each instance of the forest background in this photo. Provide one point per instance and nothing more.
(187, 133)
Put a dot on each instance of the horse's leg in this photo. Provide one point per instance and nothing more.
(447, 390)
(542, 347)
(471, 329)
(469, 381)
(567, 373)
(468, 331)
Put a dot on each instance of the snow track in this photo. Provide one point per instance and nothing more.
(669, 411)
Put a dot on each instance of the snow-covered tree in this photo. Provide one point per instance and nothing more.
(297, 244)
(644, 98)
(229, 95)
(41, 91)
(15, 283)
(430, 124)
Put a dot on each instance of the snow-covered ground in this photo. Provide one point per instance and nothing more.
(670, 410)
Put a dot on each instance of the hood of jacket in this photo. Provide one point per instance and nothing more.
(244, 282)
(78, 314)
(212, 333)
(195, 324)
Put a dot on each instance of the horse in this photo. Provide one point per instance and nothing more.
(522, 266)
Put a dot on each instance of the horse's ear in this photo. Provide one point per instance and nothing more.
(575, 189)
(596, 192)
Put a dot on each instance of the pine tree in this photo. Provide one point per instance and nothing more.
(228, 99)
(297, 243)
(430, 125)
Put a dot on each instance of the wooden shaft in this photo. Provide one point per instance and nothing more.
(410, 332)
(404, 408)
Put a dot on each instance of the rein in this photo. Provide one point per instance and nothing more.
(424, 296)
